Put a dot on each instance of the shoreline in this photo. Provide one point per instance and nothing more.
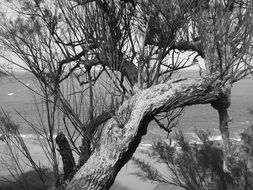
(125, 180)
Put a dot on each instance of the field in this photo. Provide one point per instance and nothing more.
(15, 97)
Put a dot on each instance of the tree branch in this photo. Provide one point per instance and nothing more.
(189, 46)
(118, 143)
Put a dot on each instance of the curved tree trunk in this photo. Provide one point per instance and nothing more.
(122, 133)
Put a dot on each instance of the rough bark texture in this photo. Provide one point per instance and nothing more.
(85, 152)
(86, 144)
(221, 105)
(122, 133)
(67, 156)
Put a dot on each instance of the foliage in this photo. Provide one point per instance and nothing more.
(17, 157)
(198, 166)
(32, 180)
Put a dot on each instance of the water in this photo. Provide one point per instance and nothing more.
(15, 97)
(206, 118)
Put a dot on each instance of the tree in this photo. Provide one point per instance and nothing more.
(137, 46)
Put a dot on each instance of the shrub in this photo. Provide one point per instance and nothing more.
(198, 166)
(17, 158)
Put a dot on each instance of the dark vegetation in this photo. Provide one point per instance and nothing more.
(2, 73)
(199, 166)
(28, 181)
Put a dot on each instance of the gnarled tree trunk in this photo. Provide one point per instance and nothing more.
(122, 134)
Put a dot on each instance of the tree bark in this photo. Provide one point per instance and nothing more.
(221, 105)
(122, 134)
(67, 156)
(85, 152)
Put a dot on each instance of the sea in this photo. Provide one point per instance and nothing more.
(18, 101)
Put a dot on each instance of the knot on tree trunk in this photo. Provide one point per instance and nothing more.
(67, 156)
(224, 101)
